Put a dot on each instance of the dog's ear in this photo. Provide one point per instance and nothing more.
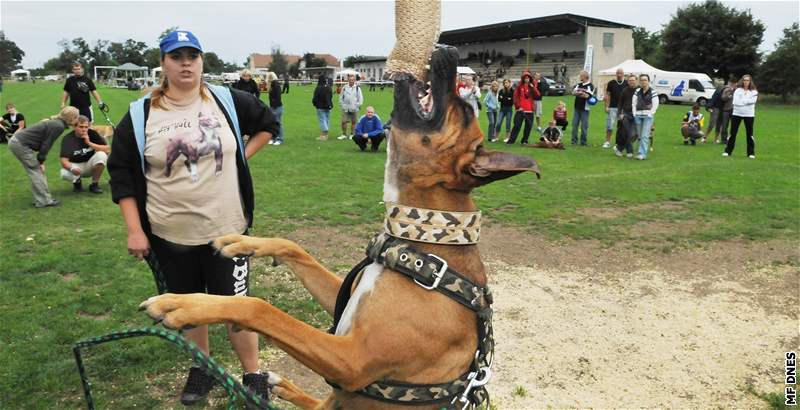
(490, 166)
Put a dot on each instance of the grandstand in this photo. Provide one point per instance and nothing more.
(505, 50)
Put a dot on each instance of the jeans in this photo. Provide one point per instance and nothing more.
(726, 116)
(519, 117)
(643, 125)
(714, 121)
(581, 117)
(507, 114)
(748, 127)
(491, 115)
(278, 112)
(28, 158)
(324, 117)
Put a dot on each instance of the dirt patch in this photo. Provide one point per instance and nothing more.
(68, 276)
(582, 324)
(93, 316)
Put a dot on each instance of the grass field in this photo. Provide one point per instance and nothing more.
(66, 274)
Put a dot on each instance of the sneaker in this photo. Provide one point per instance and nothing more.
(77, 186)
(751, 156)
(54, 202)
(271, 142)
(702, 140)
(198, 384)
(617, 152)
(539, 130)
(257, 383)
(278, 143)
(606, 144)
(322, 138)
(725, 154)
(95, 188)
(629, 155)
(640, 158)
(342, 137)
(506, 140)
(685, 142)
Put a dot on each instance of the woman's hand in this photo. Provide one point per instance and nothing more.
(138, 245)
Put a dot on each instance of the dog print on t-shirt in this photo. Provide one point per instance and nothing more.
(196, 143)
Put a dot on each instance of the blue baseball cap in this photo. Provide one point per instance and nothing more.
(178, 39)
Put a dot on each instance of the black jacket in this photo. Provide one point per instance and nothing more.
(124, 163)
(506, 98)
(323, 96)
(275, 94)
(248, 87)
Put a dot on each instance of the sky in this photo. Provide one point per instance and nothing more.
(233, 30)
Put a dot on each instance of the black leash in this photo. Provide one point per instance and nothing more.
(232, 386)
(104, 110)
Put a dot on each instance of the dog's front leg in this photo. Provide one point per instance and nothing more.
(320, 282)
(339, 359)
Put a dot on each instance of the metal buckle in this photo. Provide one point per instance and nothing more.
(474, 382)
(437, 275)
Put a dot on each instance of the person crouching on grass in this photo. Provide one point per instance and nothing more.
(369, 129)
(83, 153)
(551, 137)
(40, 138)
(174, 202)
(692, 125)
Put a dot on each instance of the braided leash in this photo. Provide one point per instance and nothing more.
(228, 382)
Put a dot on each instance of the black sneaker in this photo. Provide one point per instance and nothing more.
(198, 384)
(95, 188)
(77, 186)
(257, 383)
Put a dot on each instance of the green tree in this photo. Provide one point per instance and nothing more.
(212, 64)
(647, 46)
(314, 61)
(712, 38)
(294, 69)
(152, 57)
(98, 54)
(166, 33)
(10, 54)
(279, 63)
(131, 51)
(777, 75)
(351, 61)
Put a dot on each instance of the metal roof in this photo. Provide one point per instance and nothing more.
(528, 28)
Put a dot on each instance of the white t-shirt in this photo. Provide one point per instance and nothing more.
(198, 199)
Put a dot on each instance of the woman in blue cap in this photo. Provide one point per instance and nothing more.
(180, 175)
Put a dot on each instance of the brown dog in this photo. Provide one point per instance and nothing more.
(392, 328)
(105, 131)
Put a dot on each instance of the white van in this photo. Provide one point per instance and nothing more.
(680, 87)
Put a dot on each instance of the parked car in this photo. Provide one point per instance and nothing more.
(555, 88)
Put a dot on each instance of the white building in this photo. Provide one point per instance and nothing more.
(371, 67)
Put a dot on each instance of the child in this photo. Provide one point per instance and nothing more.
(12, 122)
(560, 115)
(551, 137)
(692, 125)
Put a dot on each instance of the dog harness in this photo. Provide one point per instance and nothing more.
(432, 273)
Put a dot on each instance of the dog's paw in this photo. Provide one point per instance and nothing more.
(175, 311)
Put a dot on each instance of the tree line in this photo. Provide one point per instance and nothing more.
(722, 42)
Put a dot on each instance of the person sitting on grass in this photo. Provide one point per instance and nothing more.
(12, 122)
(369, 129)
(83, 153)
(692, 126)
(551, 137)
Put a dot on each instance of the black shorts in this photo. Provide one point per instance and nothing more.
(196, 269)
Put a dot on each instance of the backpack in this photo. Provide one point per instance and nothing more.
(223, 94)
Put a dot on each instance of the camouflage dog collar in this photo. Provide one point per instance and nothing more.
(432, 226)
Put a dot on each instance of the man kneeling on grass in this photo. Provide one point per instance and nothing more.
(369, 129)
(551, 137)
(692, 126)
(83, 153)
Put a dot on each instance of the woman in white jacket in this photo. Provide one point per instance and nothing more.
(644, 104)
(744, 108)
(471, 94)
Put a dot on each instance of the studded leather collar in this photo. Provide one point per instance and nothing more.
(432, 226)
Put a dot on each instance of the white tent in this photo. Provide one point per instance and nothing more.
(631, 67)
(464, 70)
(22, 75)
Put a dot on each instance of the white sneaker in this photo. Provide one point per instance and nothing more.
(617, 152)
(640, 158)
(271, 142)
(725, 154)
(751, 156)
(629, 155)
(606, 144)
(342, 137)
(278, 143)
